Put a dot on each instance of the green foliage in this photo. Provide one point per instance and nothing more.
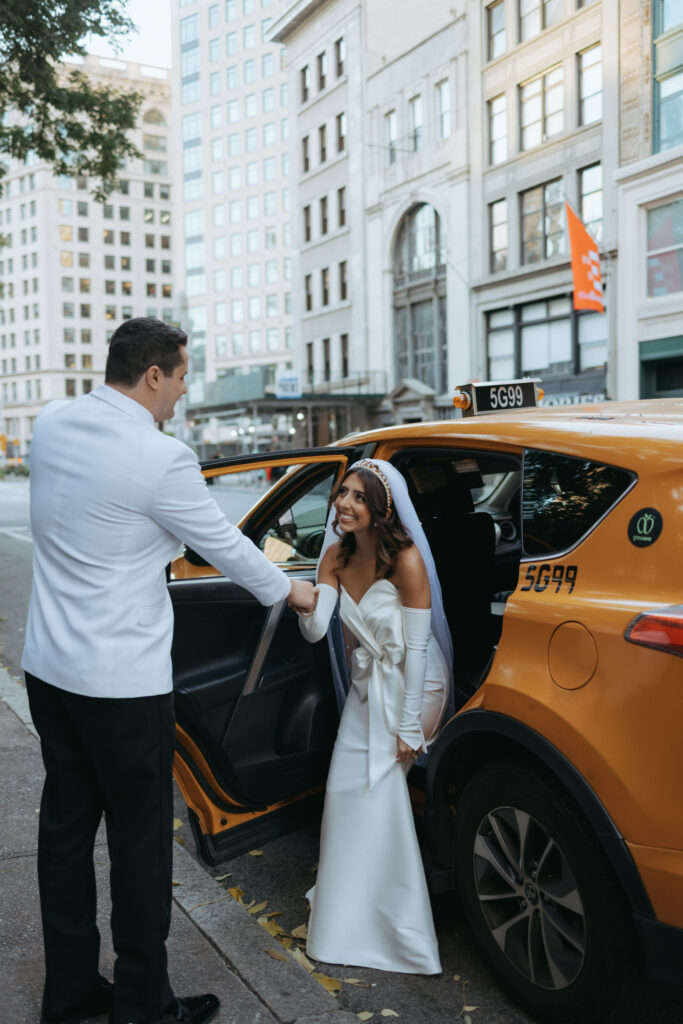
(78, 127)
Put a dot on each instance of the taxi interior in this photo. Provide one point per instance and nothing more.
(255, 703)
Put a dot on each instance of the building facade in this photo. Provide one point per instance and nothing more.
(72, 269)
(649, 186)
(234, 273)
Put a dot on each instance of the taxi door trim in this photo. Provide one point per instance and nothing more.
(254, 674)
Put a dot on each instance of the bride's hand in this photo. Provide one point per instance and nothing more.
(404, 752)
(305, 609)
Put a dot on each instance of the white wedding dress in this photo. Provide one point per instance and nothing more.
(370, 905)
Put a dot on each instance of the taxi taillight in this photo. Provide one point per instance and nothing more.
(661, 629)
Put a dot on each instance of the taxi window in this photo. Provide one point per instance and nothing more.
(297, 533)
(564, 497)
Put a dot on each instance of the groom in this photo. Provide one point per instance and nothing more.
(111, 496)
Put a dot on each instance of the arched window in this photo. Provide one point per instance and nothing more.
(420, 339)
(153, 116)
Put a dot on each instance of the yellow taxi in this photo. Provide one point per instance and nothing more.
(552, 800)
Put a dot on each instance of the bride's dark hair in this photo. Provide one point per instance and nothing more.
(392, 536)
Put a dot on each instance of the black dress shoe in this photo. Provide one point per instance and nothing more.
(95, 1004)
(190, 1010)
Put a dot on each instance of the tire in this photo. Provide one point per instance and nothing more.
(541, 900)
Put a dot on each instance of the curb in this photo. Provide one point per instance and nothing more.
(283, 986)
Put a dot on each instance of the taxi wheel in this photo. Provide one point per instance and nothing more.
(541, 900)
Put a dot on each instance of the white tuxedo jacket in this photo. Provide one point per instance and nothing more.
(111, 497)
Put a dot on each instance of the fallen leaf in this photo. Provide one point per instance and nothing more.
(256, 853)
(469, 1009)
(285, 941)
(302, 959)
(176, 883)
(366, 1015)
(258, 907)
(275, 954)
(390, 1013)
(456, 977)
(237, 894)
(273, 913)
(467, 1019)
(272, 927)
(332, 985)
(177, 823)
(357, 981)
(300, 933)
(221, 878)
(179, 839)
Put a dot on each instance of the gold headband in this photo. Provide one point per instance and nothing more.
(374, 468)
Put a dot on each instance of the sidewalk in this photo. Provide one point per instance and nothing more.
(214, 945)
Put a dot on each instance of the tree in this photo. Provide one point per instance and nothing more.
(76, 126)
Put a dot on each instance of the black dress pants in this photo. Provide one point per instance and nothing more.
(113, 756)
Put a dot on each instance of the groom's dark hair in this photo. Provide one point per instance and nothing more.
(140, 343)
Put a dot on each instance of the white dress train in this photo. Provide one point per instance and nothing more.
(370, 905)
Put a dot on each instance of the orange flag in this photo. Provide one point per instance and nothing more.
(585, 265)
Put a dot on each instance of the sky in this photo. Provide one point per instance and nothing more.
(152, 44)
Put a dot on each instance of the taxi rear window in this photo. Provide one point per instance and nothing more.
(564, 497)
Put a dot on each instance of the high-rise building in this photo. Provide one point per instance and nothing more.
(230, 106)
(72, 269)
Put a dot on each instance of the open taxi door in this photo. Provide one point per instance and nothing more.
(255, 704)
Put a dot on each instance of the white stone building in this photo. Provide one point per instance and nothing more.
(72, 269)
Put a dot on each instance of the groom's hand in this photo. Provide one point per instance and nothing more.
(302, 596)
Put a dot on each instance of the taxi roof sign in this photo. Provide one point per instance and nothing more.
(478, 397)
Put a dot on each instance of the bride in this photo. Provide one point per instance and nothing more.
(370, 905)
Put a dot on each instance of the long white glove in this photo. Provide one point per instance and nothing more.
(313, 625)
(417, 625)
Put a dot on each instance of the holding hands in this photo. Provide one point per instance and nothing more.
(303, 597)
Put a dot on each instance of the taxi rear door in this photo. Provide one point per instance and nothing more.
(255, 705)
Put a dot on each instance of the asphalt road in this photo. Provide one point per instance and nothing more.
(285, 869)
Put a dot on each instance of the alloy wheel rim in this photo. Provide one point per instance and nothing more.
(529, 898)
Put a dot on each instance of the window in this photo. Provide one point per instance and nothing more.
(70, 387)
(420, 336)
(230, 44)
(268, 99)
(254, 341)
(305, 156)
(308, 291)
(590, 194)
(230, 10)
(269, 168)
(269, 134)
(250, 105)
(250, 140)
(341, 132)
(214, 50)
(535, 15)
(669, 111)
(498, 228)
(562, 500)
(340, 55)
(305, 81)
(542, 222)
(322, 142)
(66, 232)
(343, 286)
(443, 109)
(214, 14)
(252, 207)
(267, 65)
(665, 249)
(271, 271)
(215, 83)
(323, 215)
(495, 22)
(254, 275)
(668, 79)
(325, 286)
(590, 85)
(415, 121)
(322, 70)
(234, 144)
(248, 36)
(231, 77)
(498, 142)
(541, 108)
(341, 207)
(271, 305)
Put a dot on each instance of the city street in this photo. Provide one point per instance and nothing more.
(281, 873)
